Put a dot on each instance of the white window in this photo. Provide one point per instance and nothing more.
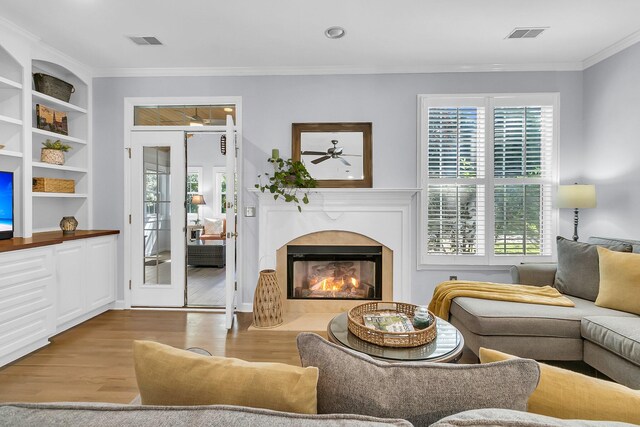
(220, 190)
(194, 186)
(487, 170)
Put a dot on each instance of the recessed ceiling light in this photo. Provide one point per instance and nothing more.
(334, 32)
(228, 109)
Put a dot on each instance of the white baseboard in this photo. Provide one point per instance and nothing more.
(245, 307)
(119, 305)
(8, 358)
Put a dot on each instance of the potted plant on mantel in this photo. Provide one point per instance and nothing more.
(288, 178)
(53, 152)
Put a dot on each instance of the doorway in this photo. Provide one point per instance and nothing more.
(206, 220)
(181, 217)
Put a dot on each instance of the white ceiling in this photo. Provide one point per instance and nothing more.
(260, 36)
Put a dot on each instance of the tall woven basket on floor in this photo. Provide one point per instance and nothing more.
(267, 301)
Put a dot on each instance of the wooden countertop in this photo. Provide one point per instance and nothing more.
(50, 238)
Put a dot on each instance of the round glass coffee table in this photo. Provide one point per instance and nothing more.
(447, 347)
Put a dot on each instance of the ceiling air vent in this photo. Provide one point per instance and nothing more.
(145, 40)
(526, 33)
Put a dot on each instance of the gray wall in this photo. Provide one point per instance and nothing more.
(612, 137)
(271, 103)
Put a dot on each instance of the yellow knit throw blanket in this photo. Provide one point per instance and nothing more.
(445, 292)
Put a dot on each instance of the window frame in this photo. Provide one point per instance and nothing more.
(192, 216)
(217, 189)
(489, 260)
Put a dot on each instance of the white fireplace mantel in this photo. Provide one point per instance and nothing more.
(380, 214)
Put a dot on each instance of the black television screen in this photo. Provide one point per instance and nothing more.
(6, 205)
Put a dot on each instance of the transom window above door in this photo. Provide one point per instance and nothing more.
(182, 115)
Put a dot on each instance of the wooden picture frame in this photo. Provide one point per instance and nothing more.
(337, 155)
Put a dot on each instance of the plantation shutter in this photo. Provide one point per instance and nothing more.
(523, 173)
(455, 166)
(488, 171)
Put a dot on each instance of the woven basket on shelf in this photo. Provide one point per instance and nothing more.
(267, 301)
(384, 338)
(53, 185)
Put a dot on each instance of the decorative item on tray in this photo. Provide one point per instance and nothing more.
(51, 120)
(390, 324)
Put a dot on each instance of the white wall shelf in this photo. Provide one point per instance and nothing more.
(10, 153)
(65, 138)
(60, 195)
(51, 101)
(7, 119)
(42, 165)
(8, 83)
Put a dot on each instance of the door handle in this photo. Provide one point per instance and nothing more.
(230, 235)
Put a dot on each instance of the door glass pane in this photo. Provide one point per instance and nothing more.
(157, 215)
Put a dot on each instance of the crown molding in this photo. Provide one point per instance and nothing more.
(328, 70)
(605, 53)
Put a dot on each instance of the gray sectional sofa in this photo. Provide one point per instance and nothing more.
(608, 340)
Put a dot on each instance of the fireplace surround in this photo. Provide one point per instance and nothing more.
(364, 216)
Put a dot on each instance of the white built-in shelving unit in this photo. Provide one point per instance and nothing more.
(22, 140)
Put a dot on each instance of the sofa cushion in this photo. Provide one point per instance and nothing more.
(508, 418)
(169, 376)
(422, 393)
(619, 281)
(565, 394)
(108, 415)
(608, 241)
(578, 271)
(486, 317)
(619, 335)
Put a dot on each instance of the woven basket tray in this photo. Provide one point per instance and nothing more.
(389, 339)
(53, 185)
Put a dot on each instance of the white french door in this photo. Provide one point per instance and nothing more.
(230, 280)
(158, 175)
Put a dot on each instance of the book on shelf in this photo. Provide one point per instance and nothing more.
(388, 321)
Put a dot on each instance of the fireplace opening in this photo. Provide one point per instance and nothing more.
(334, 272)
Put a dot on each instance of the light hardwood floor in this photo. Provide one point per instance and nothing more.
(94, 361)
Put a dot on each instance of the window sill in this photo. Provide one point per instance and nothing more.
(464, 267)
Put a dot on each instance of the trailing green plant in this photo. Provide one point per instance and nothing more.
(288, 179)
(56, 145)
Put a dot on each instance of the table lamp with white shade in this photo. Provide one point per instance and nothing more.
(197, 199)
(576, 196)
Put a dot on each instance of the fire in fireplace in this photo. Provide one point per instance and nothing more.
(334, 272)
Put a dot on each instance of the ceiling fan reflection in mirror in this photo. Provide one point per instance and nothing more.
(334, 152)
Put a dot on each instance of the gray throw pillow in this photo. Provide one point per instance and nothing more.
(578, 267)
(422, 393)
(507, 418)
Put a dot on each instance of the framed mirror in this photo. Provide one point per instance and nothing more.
(335, 154)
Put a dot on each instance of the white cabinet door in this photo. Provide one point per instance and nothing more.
(27, 298)
(101, 271)
(71, 267)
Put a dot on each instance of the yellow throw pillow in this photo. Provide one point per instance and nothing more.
(569, 395)
(169, 376)
(619, 280)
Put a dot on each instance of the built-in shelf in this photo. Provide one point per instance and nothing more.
(10, 153)
(58, 167)
(59, 136)
(5, 83)
(60, 195)
(7, 119)
(50, 100)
